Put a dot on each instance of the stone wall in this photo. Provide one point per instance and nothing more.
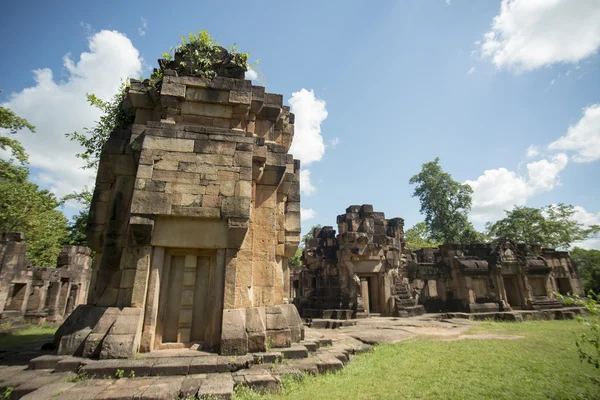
(41, 294)
(498, 276)
(195, 212)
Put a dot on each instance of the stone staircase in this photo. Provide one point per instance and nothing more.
(546, 304)
(168, 375)
(405, 303)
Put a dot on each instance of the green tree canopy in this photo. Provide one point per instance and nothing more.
(78, 225)
(551, 226)
(296, 260)
(588, 264)
(417, 237)
(445, 204)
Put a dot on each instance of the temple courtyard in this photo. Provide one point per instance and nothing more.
(429, 356)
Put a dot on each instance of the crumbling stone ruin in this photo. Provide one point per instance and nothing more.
(500, 276)
(195, 213)
(41, 294)
(366, 269)
(358, 272)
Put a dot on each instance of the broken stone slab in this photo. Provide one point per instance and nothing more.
(34, 383)
(68, 364)
(108, 368)
(329, 365)
(166, 388)
(216, 386)
(45, 362)
(171, 366)
(204, 365)
(295, 352)
(267, 357)
(125, 389)
(191, 384)
(265, 383)
(86, 390)
(310, 346)
(50, 391)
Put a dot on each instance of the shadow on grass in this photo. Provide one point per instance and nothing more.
(26, 334)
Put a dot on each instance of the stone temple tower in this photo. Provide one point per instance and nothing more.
(195, 212)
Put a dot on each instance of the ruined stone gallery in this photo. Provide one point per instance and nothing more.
(366, 268)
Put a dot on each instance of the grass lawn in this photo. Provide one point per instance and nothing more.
(28, 333)
(544, 365)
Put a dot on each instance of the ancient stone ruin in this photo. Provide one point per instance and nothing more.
(39, 294)
(359, 271)
(195, 213)
(499, 276)
(366, 269)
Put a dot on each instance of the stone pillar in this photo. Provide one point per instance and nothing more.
(364, 291)
(152, 297)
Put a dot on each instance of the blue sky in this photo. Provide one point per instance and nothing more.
(475, 83)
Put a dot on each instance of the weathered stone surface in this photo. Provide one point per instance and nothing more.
(234, 339)
(216, 386)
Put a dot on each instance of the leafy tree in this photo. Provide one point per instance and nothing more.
(24, 207)
(114, 115)
(550, 226)
(78, 224)
(296, 261)
(417, 237)
(588, 264)
(445, 203)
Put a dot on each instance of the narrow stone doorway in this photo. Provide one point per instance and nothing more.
(564, 285)
(184, 297)
(512, 291)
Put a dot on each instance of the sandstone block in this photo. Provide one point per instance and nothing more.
(169, 144)
(206, 109)
(240, 97)
(234, 339)
(207, 95)
(144, 202)
(280, 338)
(173, 89)
(235, 207)
(214, 147)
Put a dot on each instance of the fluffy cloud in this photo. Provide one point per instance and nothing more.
(59, 107)
(308, 145)
(307, 213)
(306, 187)
(500, 189)
(142, 28)
(529, 34)
(533, 151)
(251, 75)
(471, 70)
(587, 218)
(583, 138)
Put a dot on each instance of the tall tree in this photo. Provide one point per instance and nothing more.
(296, 261)
(550, 226)
(78, 224)
(588, 264)
(24, 207)
(417, 237)
(445, 204)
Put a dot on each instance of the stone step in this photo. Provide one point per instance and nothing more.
(329, 323)
(294, 352)
(267, 357)
(310, 346)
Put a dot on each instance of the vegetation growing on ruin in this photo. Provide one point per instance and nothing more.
(199, 54)
(543, 365)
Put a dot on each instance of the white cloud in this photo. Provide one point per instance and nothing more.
(587, 218)
(56, 108)
(448, 2)
(582, 138)
(306, 187)
(333, 143)
(143, 27)
(552, 82)
(307, 213)
(500, 189)
(87, 28)
(529, 34)
(471, 70)
(308, 145)
(251, 75)
(533, 151)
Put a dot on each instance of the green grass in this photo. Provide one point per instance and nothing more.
(26, 334)
(544, 365)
